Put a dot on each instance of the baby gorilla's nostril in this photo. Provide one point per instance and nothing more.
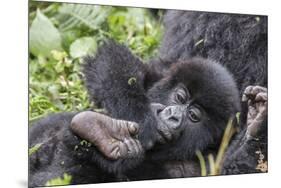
(157, 108)
(158, 111)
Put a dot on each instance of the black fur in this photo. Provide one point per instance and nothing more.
(123, 85)
(237, 41)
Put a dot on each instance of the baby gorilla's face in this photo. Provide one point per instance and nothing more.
(192, 105)
(179, 112)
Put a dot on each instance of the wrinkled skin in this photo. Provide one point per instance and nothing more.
(114, 138)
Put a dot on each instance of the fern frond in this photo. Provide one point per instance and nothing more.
(75, 15)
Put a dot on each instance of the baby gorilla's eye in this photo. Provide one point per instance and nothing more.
(181, 96)
(194, 114)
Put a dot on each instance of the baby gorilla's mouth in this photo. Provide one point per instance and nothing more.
(174, 119)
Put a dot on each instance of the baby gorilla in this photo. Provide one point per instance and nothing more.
(178, 112)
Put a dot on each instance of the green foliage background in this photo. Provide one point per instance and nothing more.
(60, 34)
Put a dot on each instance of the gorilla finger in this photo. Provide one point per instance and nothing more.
(115, 153)
(262, 108)
(261, 97)
(252, 111)
(130, 147)
(250, 102)
(123, 150)
(135, 148)
(107, 150)
(133, 128)
(254, 90)
(248, 90)
(258, 89)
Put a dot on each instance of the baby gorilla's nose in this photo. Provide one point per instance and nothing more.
(169, 120)
(173, 115)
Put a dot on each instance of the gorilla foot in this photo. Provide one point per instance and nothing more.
(256, 97)
(114, 138)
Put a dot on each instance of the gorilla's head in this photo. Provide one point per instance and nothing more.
(192, 105)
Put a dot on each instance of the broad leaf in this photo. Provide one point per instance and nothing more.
(43, 36)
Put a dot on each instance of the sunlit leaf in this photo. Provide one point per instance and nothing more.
(43, 36)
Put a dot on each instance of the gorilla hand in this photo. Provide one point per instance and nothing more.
(256, 96)
(115, 139)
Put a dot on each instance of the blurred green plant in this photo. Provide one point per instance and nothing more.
(33, 149)
(60, 34)
(65, 180)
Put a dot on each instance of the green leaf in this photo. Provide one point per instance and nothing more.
(82, 47)
(43, 36)
(66, 180)
(76, 15)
